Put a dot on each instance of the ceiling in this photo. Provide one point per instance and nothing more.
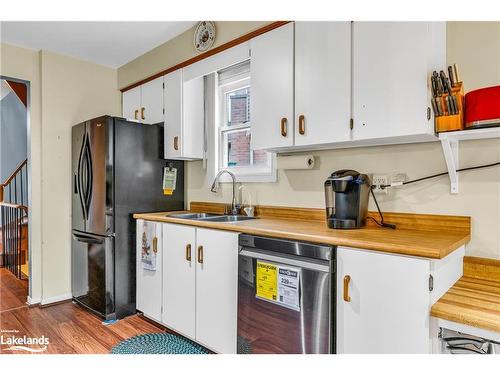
(112, 44)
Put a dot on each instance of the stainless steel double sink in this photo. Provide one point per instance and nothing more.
(211, 217)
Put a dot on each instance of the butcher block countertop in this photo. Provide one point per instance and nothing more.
(474, 300)
(429, 236)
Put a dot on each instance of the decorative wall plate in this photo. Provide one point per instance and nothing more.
(204, 36)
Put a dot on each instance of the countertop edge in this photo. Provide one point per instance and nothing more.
(421, 252)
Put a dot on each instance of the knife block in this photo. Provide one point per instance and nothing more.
(448, 123)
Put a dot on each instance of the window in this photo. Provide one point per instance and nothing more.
(235, 129)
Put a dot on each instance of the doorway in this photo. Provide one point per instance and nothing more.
(15, 254)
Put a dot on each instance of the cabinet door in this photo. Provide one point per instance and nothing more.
(173, 114)
(271, 71)
(322, 82)
(216, 289)
(193, 109)
(152, 101)
(131, 103)
(391, 69)
(149, 269)
(179, 278)
(388, 311)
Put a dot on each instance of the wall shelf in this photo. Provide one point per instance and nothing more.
(450, 144)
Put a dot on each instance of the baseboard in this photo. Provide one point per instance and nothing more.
(33, 301)
(56, 299)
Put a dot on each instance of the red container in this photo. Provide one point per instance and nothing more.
(482, 107)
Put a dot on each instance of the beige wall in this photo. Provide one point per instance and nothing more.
(178, 50)
(475, 47)
(64, 91)
(25, 64)
(72, 91)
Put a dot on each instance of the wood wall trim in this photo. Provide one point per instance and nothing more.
(204, 55)
(448, 223)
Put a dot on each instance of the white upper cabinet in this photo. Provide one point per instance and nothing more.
(144, 103)
(271, 72)
(131, 103)
(383, 303)
(173, 115)
(301, 84)
(152, 101)
(184, 117)
(322, 82)
(193, 112)
(392, 62)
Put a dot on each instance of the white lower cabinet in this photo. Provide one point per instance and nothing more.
(179, 302)
(149, 269)
(200, 285)
(384, 300)
(216, 289)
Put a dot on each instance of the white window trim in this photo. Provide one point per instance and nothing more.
(243, 174)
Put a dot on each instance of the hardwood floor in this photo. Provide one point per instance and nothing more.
(70, 329)
(13, 292)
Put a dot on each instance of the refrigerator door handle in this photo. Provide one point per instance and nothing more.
(89, 171)
(80, 176)
(88, 237)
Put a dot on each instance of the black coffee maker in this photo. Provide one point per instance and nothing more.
(346, 196)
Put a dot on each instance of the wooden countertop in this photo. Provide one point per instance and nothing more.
(474, 300)
(423, 243)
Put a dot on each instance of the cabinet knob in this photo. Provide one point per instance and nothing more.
(200, 254)
(302, 124)
(136, 113)
(283, 125)
(176, 143)
(347, 280)
(142, 113)
(188, 252)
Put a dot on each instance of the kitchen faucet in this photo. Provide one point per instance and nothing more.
(234, 207)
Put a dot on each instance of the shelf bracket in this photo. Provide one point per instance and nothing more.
(450, 151)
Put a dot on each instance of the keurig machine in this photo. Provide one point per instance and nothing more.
(346, 195)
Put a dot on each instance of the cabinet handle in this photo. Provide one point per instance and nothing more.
(200, 254)
(284, 126)
(347, 279)
(142, 113)
(136, 112)
(302, 124)
(188, 252)
(155, 244)
(176, 143)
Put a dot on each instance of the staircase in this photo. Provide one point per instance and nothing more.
(14, 221)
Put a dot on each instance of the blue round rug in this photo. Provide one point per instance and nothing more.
(158, 343)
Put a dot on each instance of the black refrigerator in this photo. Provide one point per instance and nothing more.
(117, 170)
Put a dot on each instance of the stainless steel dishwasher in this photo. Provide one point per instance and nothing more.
(286, 296)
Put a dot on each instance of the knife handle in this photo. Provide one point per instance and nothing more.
(455, 73)
(452, 76)
(434, 107)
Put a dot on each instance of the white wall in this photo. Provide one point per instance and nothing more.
(64, 92)
(72, 91)
(475, 47)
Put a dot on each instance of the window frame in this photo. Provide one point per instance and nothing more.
(267, 173)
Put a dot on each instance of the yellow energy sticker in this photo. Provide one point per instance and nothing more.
(267, 281)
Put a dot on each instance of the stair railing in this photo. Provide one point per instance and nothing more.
(13, 218)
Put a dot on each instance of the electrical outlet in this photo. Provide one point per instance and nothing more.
(380, 180)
